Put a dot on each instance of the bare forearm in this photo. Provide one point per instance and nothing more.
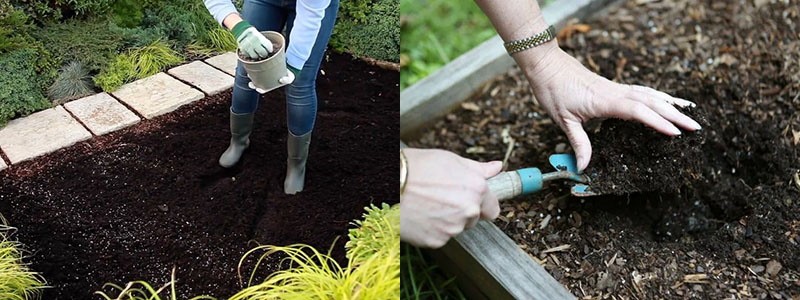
(519, 19)
(231, 20)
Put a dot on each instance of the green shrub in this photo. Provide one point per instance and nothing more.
(128, 13)
(355, 10)
(20, 93)
(93, 42)
(14, 25)
(137, 37)
(369, 29)
(182, 22)
(17, 281)
(50, 11)
(73, 82)
(117, 73)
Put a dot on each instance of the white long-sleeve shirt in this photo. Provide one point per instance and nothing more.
(304, 31)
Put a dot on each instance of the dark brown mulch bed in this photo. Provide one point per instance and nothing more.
(732, 225)
(135, 203)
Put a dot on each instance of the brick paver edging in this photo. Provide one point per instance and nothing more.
(64, 125)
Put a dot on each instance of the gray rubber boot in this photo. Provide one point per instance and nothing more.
(241, 126)
(297, 147)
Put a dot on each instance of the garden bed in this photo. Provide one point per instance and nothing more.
(730, 230)
(132, 204)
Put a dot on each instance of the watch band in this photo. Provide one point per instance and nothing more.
(530, 42)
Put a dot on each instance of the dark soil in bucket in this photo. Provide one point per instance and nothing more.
(728, 226)
(275, 46)
(132, 204)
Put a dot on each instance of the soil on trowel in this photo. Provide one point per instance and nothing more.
(133, 204)
(630, 157)
(729, 225)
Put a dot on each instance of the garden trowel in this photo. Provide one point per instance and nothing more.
(510, 184)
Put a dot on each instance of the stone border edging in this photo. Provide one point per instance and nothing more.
(59, 127)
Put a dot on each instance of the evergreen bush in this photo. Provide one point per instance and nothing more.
(369, 28)
(20, 93)
(14, 25)
(50, 11)
(93, 42)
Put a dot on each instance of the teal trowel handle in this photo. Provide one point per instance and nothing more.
(507, 185)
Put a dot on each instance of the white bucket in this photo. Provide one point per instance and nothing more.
(265, 74)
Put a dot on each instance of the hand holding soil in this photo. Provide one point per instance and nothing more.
(631, 158)
(243, 55)
(572, 95)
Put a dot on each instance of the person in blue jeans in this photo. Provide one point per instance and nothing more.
(308, 24)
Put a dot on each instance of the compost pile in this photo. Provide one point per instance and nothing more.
(729, 225)
(133, 204)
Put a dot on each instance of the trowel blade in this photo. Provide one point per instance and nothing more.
(582, 190)
(564, 162)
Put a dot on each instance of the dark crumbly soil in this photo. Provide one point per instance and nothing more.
(631, 157)
(270, 54)
(734, 218)
(132, 204)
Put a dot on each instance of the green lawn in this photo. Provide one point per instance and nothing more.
(434, 32)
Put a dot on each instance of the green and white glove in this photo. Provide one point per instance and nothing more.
(252, 43)
(291, 74)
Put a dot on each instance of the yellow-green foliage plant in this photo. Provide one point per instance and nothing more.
(373, 270)
(17, 281)
(379, 230)
(216, 41)
(141, 290)
(136, 64)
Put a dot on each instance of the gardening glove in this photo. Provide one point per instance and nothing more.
(572, 95)
(444, 195)
(291, 74)
(251, 42)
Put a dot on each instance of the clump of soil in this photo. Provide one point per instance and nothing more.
(132, 204)
(731, 228)
(630, 157)
(275, 46)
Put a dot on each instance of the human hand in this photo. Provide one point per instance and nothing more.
(444, 195)
(572, 95)
(291, 74)
(251, 42)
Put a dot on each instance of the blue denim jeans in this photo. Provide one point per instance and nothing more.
(301, 95)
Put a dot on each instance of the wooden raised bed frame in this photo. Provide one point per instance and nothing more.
(486, 262)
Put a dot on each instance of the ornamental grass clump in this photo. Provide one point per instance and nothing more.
(373, 270)
(73, 82)
(141, 290)
(17, 281)
(378, 231)
(136, 64)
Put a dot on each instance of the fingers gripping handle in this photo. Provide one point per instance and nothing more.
(507, 185)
